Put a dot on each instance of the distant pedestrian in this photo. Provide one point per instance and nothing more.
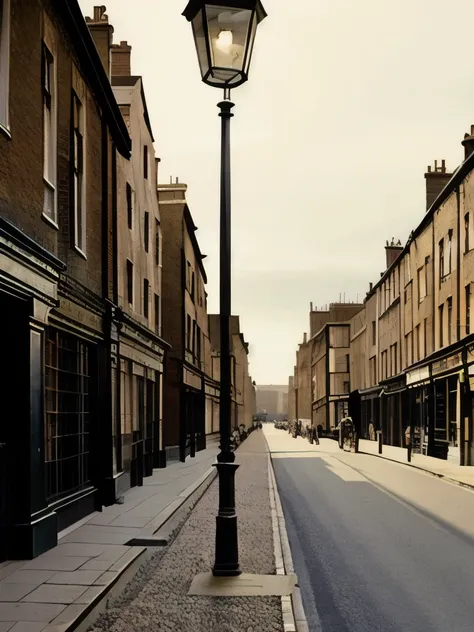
(260, 425)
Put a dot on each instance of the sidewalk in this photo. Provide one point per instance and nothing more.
(160, 600)
(444, 469)
(49, 593)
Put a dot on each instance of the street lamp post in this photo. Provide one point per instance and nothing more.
(224, 34)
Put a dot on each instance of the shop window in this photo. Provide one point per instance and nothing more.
(67, 415)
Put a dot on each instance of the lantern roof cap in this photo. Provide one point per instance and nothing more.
(194, 6)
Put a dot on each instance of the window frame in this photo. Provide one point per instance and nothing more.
(129, 198)
(129, 274)
(145, 162)
(5, 36)
(78, 169)
(467, 229)
(146, 298)
(146, 231)
(50, 122)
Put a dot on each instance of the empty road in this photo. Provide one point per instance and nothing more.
(377, 546)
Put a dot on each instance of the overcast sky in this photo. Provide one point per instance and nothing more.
(347, 103)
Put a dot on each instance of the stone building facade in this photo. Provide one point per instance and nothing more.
(418, 351)
(61, 133)
(318, 390)
(190, 394)
(243, 389)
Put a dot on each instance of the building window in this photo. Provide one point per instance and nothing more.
(130, 281)
(129, 205)
(49, 135)
(189, 333)
(427, 268)
(374, 333)
(425, 336)
(468, 309)
(78, 175)
(146, 231)
(346, 386)
(145, 161)
(449, 252)
(4, 62)
(198, 343)
(421, 284)
(157, 242)
(407, 268)
(157, 314)
(193, 286)
(67, 414)
(146, 298)
(417, 343)
(441, 259)
(441, 325)
(466, 233)
(450, 318)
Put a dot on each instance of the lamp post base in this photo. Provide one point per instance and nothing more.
(227, 549)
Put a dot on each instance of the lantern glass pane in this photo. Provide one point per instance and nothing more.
(228, 29)
(200, 40)
(251, 40)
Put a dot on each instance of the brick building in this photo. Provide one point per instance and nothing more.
(190, 393)
(243, 391)
(61, 132)
(417, 357)
(318, 390)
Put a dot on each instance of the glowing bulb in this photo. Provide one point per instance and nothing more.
(224, 41)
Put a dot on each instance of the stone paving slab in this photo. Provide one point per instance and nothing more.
(48, 593)
(463, 475)
(158, 599)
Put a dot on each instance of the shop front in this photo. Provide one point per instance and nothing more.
(394, 418)
(193, 413)
(370, 412)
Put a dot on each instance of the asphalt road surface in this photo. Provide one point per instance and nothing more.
(377, 546)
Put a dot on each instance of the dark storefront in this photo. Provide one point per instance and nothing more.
(70, 425)
(370, 412)
(193, 414)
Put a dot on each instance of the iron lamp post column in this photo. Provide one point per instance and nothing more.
(227, 550)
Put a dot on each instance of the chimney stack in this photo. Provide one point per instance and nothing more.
(305, 338)
(468, 143)
(311, 307)
(371, 286)
(392, 250)
(121, 60)
(102, 33)
(436, 181)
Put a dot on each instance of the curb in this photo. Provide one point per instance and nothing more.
(422, 469)
(294, 618)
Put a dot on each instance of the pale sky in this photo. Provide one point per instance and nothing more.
(347, 103)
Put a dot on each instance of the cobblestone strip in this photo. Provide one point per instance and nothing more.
(158, 599)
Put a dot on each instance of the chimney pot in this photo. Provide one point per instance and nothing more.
(371, 286)
(436, 181)
(121, 59)
(468, 143)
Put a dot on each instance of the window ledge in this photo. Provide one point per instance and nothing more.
(49, 221)
(80, 252)
(5, 130)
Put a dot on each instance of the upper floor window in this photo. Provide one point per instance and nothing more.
(78, 174)
(129, 205)
(421, 284)
(146, 297)
(407, 268)
(374, 333)
(49, 135)
(146, 231)
(468, 308)
(145, 161)
(441, 259)
(467, 228)
(130, 282)
(157, 242)
(450, 319)
(4, 62)
(449, 252)
(441, 325)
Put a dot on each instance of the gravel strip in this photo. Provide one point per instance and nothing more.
(157, 597)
